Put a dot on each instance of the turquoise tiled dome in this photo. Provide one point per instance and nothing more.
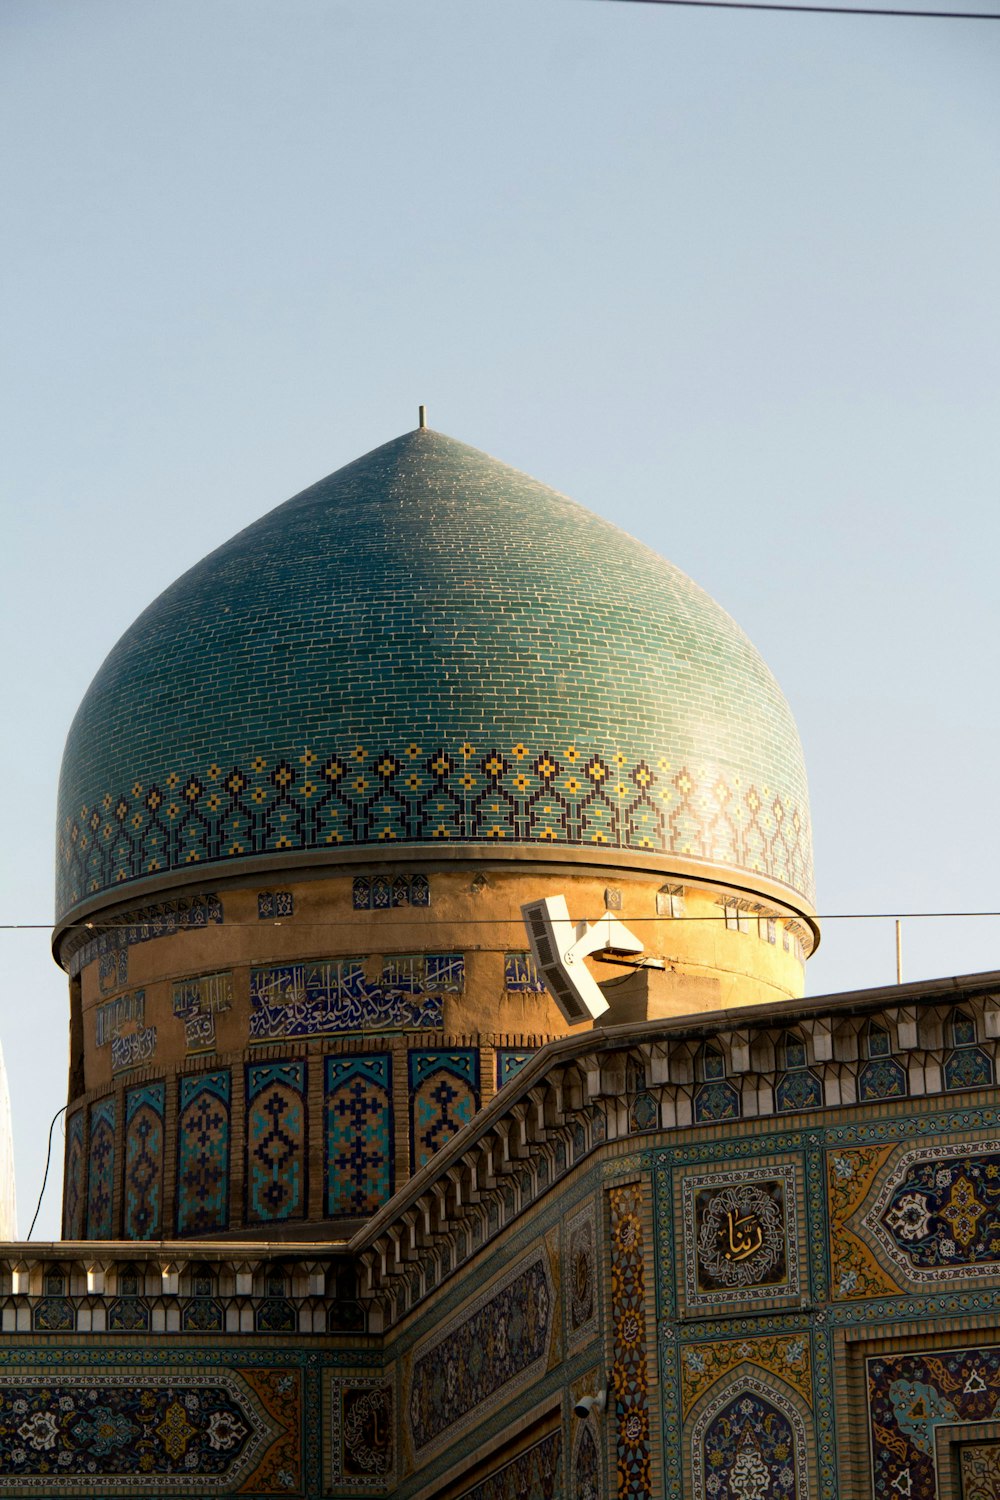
(429, 645)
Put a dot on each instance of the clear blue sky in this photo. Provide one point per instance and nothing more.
(730, 280)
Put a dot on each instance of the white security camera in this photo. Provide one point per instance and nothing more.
(588, 1404)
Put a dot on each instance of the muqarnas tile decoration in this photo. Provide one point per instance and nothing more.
(203, 1152)
(197, 1001)
(101, 1171)
(362, 1427)
(968, 1068)
(143, 1167)
(275, 904)
(383, 892)
(629, 1371)
(881, 1078)
(937, 1215)
(750, 1444)
(580, 1276)
(535, 1474)
(521, 976)
(53, 1315)
(503, 1337)
(358, 1134)
(716, 1101)
(582, 795)
(276, 1147)
(74, 1201)
(158, 1432)
(510, 1061)
(740, 1236)
(333, 995)
(909, 1396)
(163, 919)
(798, 1089)
(444, 1096)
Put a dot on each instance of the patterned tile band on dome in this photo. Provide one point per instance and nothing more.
(519, 794)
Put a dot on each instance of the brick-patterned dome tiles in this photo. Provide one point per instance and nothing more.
(429, 645)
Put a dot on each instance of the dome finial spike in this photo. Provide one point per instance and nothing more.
(422, 420)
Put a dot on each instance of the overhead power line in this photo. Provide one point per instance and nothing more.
(96, 929)
(826, 10)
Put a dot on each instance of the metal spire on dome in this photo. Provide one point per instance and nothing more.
(422, 417)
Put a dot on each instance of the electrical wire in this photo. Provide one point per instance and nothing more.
(48, 1161)
(827, 10)
(98, 929)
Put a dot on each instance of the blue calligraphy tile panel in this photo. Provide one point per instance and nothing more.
(276, 1142)
(333, 995)
(359, 1135)
(520, 976)
(444, 1096)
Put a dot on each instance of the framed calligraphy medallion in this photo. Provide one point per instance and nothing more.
(740, 1232)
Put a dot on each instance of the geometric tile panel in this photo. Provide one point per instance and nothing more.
(444, 1096)
(143, 1168)
(580, 1275)
(909, 1395)
(74, 1179)
(716, 1101)
(882, 1078)
(799, 1089)
(980, 1466)
(594, 795)
(152, 1431)
(968, 1068)
(510, 1061)
(536, 1474)
(468, 1364)
(629, 1378)
(203, 1152)
(937, 1215)
(276, 1145)
(101, 1170)
(749, 1443)
(358, 1135)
